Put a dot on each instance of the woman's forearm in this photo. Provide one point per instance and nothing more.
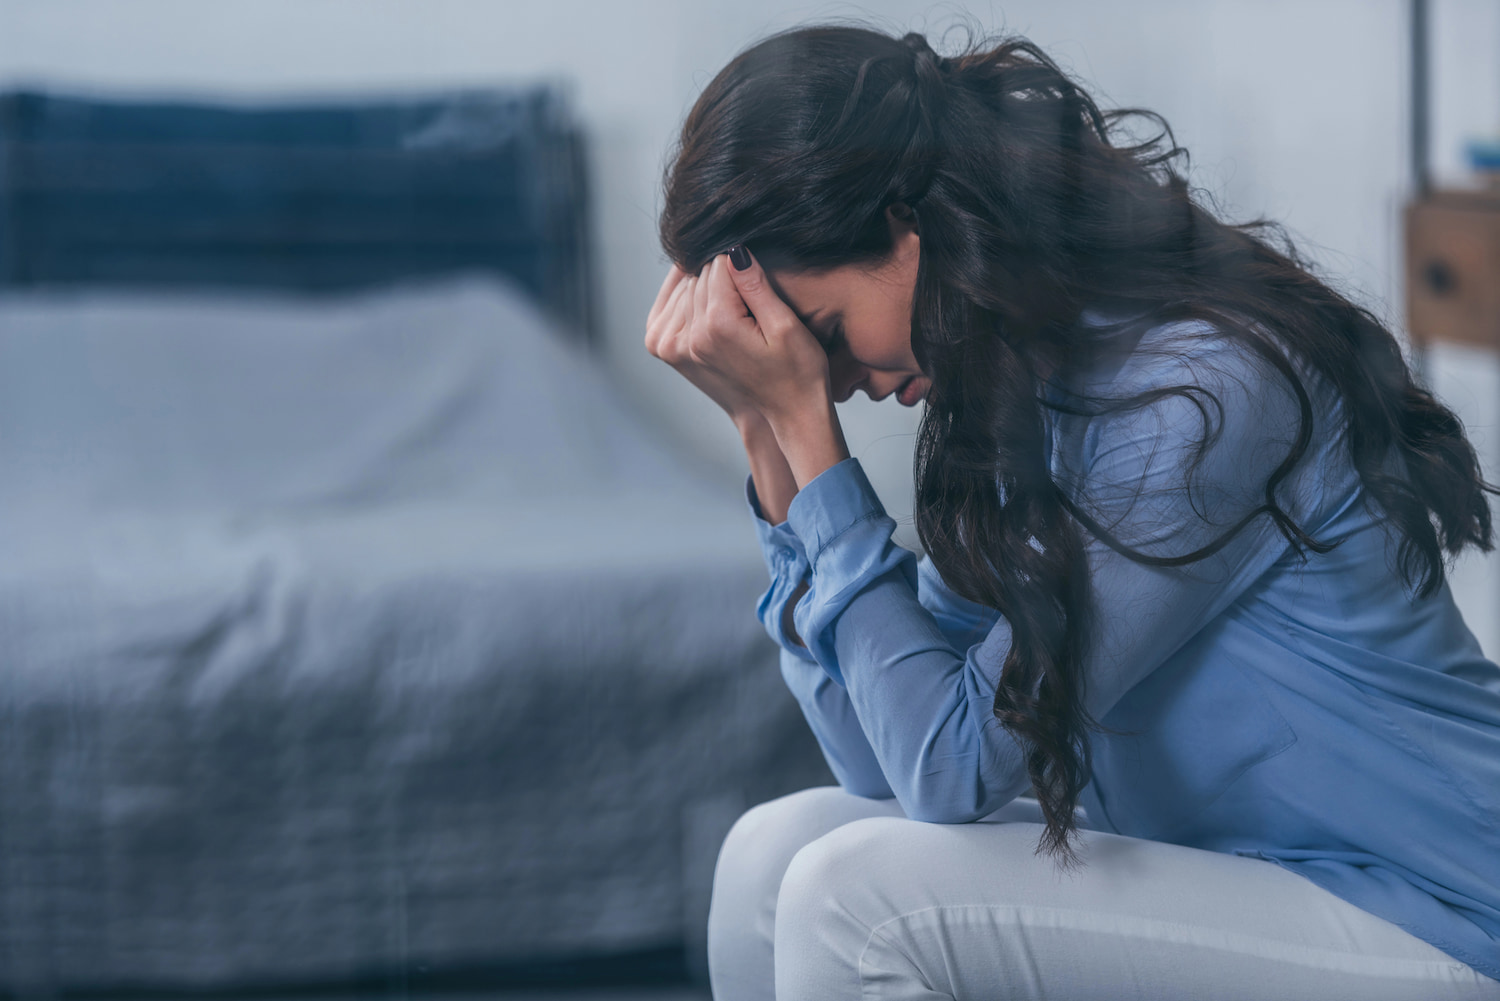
(775, 485)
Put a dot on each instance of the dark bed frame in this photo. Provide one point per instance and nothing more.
(318, 199)
(315, 198)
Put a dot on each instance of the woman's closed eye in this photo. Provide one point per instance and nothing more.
(834, 342)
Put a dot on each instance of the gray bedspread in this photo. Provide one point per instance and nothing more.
(339, 636)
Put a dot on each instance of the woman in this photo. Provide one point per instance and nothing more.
(1181, 644)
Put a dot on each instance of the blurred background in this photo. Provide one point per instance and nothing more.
(376, 615)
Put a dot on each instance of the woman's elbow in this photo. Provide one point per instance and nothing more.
(942, 814)
(934, 801)
(866, 783)
(867, 790)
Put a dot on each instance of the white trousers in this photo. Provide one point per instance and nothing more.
(821, 895)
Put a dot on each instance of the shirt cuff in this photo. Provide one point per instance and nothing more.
(787, 562)
(846, 536)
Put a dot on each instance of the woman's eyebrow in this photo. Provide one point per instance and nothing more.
(812, 323)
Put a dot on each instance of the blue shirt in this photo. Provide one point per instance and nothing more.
(1310, 713)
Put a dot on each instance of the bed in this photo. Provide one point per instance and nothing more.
(352, 625)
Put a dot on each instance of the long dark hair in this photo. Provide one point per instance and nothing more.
(1029, 212)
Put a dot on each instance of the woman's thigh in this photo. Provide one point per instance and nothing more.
(889, 908)
(752, 862)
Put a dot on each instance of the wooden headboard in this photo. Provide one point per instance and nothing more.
(311, 197)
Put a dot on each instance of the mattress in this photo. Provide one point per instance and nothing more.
(349, 635)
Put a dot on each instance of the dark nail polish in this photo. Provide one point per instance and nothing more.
(739, 257)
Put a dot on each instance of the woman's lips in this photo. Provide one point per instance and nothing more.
(911, 392)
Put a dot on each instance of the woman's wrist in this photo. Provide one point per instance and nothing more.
(811, 439)
(751, 424)
(775, 486)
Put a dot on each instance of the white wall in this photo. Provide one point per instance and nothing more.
(1466, 103)
(1465, 50)
(1296, 109)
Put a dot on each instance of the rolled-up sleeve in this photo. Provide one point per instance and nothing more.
(786, 562)
(924, 705)
(824, 704)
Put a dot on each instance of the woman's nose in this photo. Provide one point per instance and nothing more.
(857, 378)
(845, 376)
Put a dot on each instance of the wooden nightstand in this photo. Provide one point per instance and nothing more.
(1453, 268)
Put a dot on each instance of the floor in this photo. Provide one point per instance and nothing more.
(519, 994)
(529, 994)
(604, 994)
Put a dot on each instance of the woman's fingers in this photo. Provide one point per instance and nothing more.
(670, 286)
(772, 315)
(725, 307)
(700, 305)
(661, 333)
(674, 278)
(722, 312)
(679, 323)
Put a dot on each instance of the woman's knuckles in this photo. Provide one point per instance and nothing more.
(720, 315)
(707, 340)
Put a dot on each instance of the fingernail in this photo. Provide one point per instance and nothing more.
(739, 257)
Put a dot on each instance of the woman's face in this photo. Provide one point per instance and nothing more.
(862, 316)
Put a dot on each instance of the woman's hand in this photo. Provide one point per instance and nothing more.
(730, 335)
(668, 337)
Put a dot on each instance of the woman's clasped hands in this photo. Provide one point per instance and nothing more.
(729, 334)
(732, 336)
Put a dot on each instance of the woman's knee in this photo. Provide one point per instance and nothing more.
(864, 872)
(824, 916)
(751, 865)
(767, 836)
(825, 871)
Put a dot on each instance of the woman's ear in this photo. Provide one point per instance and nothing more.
(902, 214)
(902, 220)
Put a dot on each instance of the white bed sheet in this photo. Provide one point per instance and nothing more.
(345, 635)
